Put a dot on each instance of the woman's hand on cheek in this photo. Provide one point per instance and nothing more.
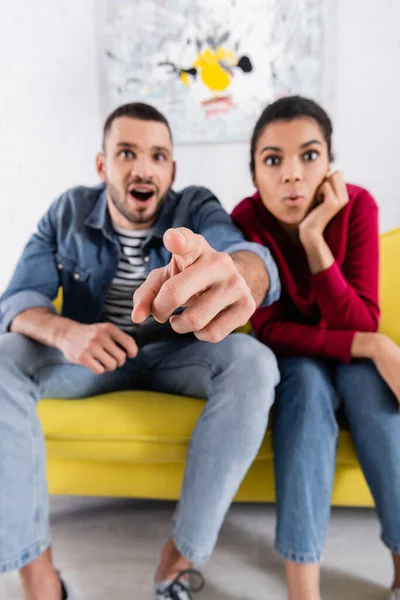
(331, 197)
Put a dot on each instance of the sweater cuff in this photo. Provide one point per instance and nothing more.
(338, 344)
(329, 284)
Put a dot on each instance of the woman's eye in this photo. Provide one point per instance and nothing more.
(311, 155)
(272, 161)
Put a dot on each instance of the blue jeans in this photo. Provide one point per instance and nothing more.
(305, 442)
(238, 377)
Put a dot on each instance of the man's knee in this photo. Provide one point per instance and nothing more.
(16, 354)
(251, 375)
(247, 357)
(15, 349)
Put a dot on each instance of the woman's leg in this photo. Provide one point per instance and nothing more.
(305, 441)
(373, 414)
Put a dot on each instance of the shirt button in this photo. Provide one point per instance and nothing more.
(77, 276)
(146, 259)
(60, 266)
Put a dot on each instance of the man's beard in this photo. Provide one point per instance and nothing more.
(135, 217)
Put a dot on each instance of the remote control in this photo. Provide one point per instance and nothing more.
(153, 331)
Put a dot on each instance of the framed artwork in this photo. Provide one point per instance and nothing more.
(211, 65)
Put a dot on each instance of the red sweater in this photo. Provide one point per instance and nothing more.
(318, 315)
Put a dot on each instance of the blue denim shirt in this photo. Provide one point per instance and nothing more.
(76, 247)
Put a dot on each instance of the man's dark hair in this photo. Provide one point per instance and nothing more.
(135, 110)
(287, 109)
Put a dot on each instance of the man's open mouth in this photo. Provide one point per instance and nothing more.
(142, 196)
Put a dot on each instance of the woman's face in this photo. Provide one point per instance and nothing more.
(291, 162)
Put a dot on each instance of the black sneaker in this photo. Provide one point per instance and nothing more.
(179, 588)
(66, 593)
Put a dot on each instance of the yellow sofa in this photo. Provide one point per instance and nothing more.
(134, 444)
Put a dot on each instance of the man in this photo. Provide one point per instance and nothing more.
(133, 234)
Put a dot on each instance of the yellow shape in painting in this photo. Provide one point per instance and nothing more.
(185, 78)
(213, 75)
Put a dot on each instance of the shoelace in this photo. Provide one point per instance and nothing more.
(176, 586)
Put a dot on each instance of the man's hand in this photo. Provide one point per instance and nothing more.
(100, 347)
(332, 197)
(207, 282)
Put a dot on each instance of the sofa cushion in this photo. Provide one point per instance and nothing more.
(149, 427)
(133, 426)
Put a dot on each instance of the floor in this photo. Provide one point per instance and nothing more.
(108, 550)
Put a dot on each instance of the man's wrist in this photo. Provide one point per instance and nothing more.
(58, 327)
(42, 325)
(254, 272)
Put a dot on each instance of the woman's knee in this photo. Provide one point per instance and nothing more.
(306, 383)
(362, 387)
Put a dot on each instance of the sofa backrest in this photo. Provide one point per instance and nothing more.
(389, 288)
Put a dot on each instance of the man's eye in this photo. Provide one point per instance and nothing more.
(126, 154)
(272, 161)
(159, 157)
(311, 155)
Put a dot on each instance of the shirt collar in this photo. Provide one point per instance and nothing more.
(99, 217)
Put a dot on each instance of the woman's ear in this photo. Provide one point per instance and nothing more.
(332, 169)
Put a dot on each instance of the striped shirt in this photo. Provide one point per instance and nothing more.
(130, 274)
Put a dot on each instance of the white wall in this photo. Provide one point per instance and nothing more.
(367, 100)
(51, 118)
(49, 112)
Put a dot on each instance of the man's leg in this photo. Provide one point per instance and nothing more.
(238, 377)
(28, 372)
(372, 411)
(305, 438)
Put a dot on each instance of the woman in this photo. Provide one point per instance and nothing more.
(323, 235)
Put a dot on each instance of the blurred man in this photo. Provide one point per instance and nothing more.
(133, 236)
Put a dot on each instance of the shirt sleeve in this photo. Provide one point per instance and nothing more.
(288, 338)
(36, 278)
(217, 227)
(348, 296)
